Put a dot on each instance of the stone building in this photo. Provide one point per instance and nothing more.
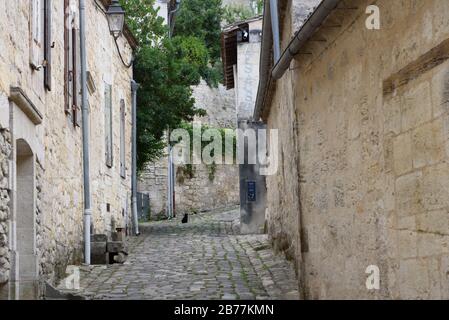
(41, 185)
(207, 188)
(241, 44)
(362, 115)
(204, 190)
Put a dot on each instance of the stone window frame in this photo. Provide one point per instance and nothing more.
(123, 138)
(37, 34)
(72, 72)
(108, 123)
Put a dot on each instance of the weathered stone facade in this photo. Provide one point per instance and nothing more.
(363, 149)
(5, 151)
(46, 157)
(207, 189)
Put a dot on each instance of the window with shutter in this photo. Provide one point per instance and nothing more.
(122, 139)
(47, 44)
(67, 55)
(37, 24)
(72, 82)
(108, 124)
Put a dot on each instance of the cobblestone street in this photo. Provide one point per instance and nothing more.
(204, 259)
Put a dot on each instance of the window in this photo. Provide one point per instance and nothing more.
(48, 44)
(36, 54)
(108, 124)
(72, 72)
(122, 139)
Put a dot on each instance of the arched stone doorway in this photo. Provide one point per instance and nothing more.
(26, 259)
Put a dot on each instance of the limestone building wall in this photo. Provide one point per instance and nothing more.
(56, 143)
(364, 161)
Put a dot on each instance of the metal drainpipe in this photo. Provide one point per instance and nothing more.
(275, 28)
(134, 87)
(86, 135)
(170, 189)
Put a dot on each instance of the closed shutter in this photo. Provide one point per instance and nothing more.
(47, 44)
(77, 81)
(108, 124)
(122, 139)
(36, 34)
(67, 58)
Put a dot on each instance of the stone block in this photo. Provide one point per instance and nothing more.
(98, 247)
(402, 154)
(99, 259)
(392, 114)
(430, 244)
(434, 222)
(413, 279)
(98, 238)
(416, 106)
(117, 236)
(115, 246)
(440, 91)
(409, 194)
(435, 187)
(428, 145)
(407, 244)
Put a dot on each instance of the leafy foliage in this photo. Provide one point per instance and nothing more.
(166, 68)
(201, 19)
(143, 20)
(235, 13)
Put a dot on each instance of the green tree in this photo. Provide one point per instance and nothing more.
(165, 70)
(143, 20)
(201, 19)
(234, 13)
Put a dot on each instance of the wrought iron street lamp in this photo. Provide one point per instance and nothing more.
(116, 18)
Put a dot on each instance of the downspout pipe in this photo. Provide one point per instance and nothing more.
(303, 35)
(134, 88)
(268, 75)
(275, 29)
(86, 134)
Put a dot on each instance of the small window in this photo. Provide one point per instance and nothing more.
(108, 124)
(122, 139)
(37, 35)
(72, 70)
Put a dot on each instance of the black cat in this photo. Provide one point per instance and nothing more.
(186, 218)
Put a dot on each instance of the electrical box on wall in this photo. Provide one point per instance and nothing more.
(252, 188)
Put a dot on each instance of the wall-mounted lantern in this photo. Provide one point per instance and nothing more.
(116, 18)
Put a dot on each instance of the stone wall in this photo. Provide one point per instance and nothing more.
(364, 161)
(199, 193)
(56, 143)
(5, 150)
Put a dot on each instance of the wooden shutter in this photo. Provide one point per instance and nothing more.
(47, 44)
(108, 124)
(77, 78)
(122, 139)
(74, 75)
(36, 33)
(67, 50)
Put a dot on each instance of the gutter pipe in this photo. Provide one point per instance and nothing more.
(265, 59)
(134, 88)
(301, 37)
(86, 134)
(275, 29)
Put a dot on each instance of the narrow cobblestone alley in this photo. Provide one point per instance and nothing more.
(204, 259)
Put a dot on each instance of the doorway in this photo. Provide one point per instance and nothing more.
(25, 221)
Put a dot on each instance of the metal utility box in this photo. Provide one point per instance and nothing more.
(252, 189)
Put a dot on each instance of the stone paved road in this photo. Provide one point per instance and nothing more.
(204, 259)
